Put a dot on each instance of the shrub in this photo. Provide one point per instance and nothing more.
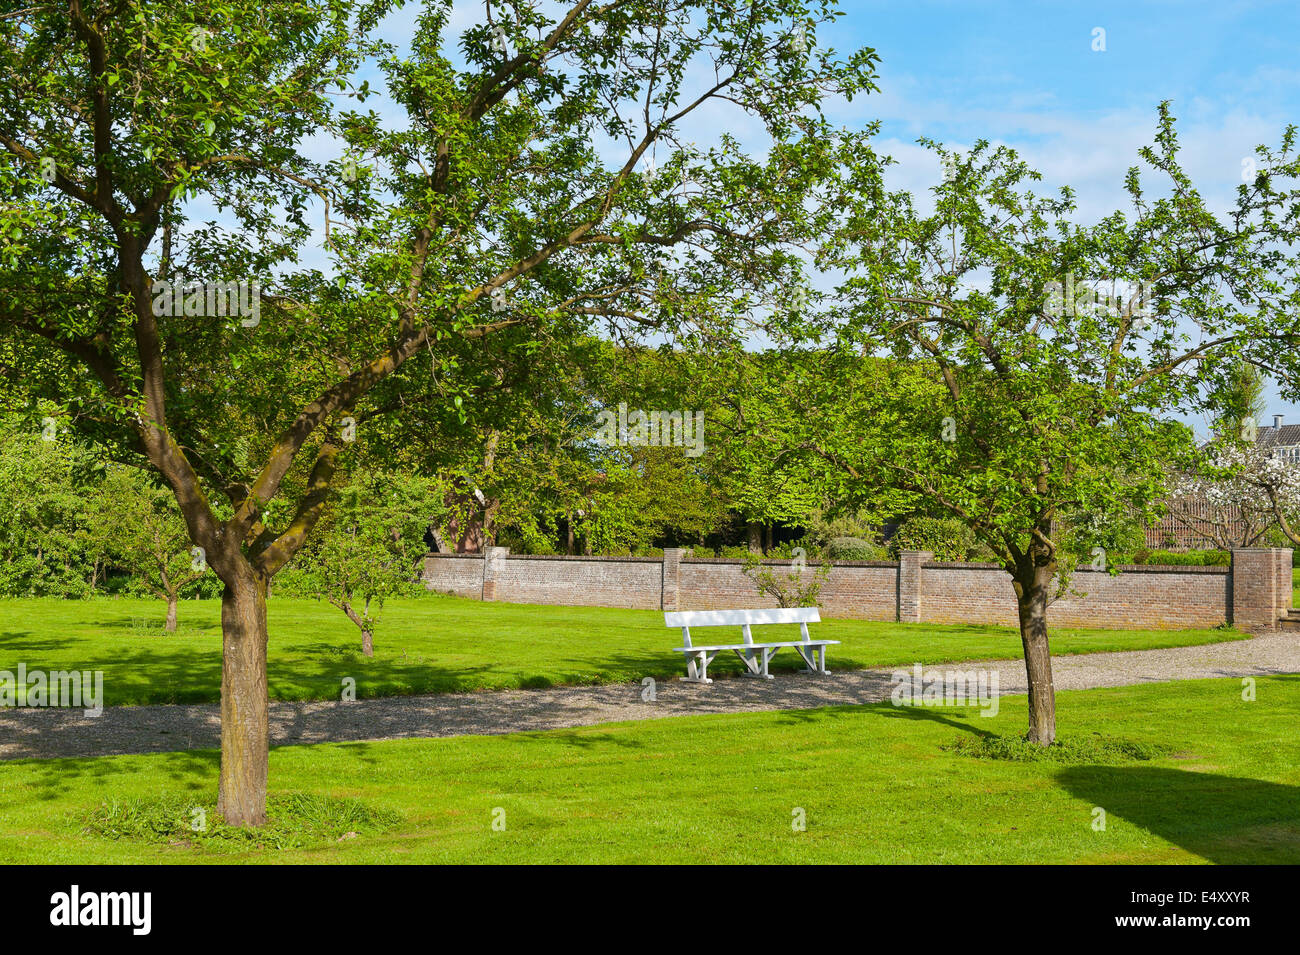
(737, 552)
(1276, 537)
(1191, 558)
(796, 588)
(527, 539)
(1174, 558)
(822, 529)
(948, 538)
(1081, 534)
(854, 548)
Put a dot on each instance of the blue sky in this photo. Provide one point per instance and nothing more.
(1026, 74)
(1037, 58)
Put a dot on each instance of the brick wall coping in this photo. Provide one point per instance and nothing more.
(1124, 568)
(641, 560)
(931, 564)
(1223, 569)
(786, 561)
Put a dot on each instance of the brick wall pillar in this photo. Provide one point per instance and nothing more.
(494, 562)
(1283, 557)
(909, 584)
(671, 597)
(1261, 586)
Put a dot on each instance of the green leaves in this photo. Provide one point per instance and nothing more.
(371, 546)
(518, 167)
(994, 405)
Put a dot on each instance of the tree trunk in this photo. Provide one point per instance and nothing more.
(367, 636)
(439, 541)
(1032, 582)
(755, 537)
(171, 613)
(241, 797)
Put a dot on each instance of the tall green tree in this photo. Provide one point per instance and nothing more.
(484, 208)
(1032, 362)
(765, 484)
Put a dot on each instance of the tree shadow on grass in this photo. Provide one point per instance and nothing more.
(961, 718)
(1224, 819)
(52, 778)
(575, 738)
(16, 643)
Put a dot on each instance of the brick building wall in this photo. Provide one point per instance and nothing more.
(1252, 593)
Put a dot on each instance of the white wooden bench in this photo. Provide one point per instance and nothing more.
(755, 656)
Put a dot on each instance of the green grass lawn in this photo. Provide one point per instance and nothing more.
(440, 644)
(875, 783)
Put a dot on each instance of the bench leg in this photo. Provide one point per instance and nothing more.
(697, 668)
(815, 659)
(752, 665)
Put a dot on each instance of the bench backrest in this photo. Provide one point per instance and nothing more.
(744, 619)
(739, 618)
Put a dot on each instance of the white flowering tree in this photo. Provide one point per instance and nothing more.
(1229, 497)
(1237, 492)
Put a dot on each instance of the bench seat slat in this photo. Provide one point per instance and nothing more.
(750, 646)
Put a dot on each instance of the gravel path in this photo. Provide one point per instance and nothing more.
(51, 733)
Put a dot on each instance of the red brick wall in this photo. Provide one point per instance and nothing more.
(576, 581)
(1148, 597)
(459, 575)
(866, 591)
